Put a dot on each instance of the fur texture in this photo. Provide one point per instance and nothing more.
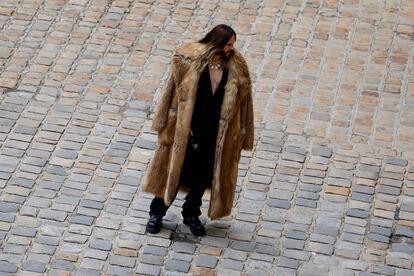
(172, 121)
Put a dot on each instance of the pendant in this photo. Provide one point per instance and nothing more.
(214, 66)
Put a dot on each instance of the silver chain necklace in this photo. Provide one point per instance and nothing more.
(215, 65)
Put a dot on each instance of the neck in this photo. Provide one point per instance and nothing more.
(215, 58)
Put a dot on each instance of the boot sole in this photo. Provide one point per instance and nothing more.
(153, 230)
(195, 232)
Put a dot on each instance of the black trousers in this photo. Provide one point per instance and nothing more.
(191, 206)
(196, 175)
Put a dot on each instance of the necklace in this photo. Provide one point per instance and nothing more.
(215, 78)
(215, 65)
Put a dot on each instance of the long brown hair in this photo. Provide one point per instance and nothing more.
(216, 39)
(218, 36)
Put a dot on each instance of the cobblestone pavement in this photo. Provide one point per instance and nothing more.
(328, 189)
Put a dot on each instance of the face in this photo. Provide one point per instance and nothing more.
(229, 47)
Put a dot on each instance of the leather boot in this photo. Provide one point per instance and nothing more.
(195, 225)
(154, 224)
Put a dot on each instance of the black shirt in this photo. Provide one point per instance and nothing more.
(206, 115)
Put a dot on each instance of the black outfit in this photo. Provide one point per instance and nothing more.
(198, 165)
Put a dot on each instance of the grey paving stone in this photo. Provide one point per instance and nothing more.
(96, 254)
(270, 148)
(391, 182)
(405, 272)
(348, 250)
(322, 151)
(53, 128)
(25, 130)
(399, 259)
(297, 254)
(404, 231)
(381, 222)
(116, 270)
(88, 272)
(8, 267)
(298, 235)
(355, 238)
(267, 249)
(310, 187)
(306, 202)
(67, 154)
(260, 179)
(288, 263)
(363, 189)
(235, 254)
(293, 244)
(175, 265)
(122, 261)
(382, 269)
(370, 168)
(403, 247)
(258, 267)
(243, 246)
(48, 240)
(378, 238)
(111, 167)
(308, 195)
(316, 247)
(320, 238)
(183, 247)
(314, 174)
(367, 174)
(232, 264)
(93, 264)
(155, 250)
(388, 190)
(53, 215)
(91, 204)
(100, 244)
(362, 197)
(63, 265)
(206, 261)
(357, 213)
(43, 249)
(115, 209)
(279, 203)
(311, 180)
(23, 231)
(293, 156)
(23, 182)
(6, 217)
(396, 161)
(152, 259)
(284, 271)
(14, 249)
(33, 266)
(56, 170)
(385, 231)
(148, 269)
(36, 161)
(5, 176)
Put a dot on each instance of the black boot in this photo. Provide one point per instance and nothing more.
(195, 225)
(154, 224)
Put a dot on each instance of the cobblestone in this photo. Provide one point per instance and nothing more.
(332, 170)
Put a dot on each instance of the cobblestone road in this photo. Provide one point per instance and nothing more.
(328, 189)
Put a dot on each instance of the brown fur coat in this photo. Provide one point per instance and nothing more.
(172, 121)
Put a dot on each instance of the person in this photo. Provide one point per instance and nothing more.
(204, 119)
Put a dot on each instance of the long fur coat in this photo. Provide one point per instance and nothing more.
(172, 121)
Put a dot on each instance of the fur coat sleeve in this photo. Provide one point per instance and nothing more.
(161, 112)
(249, 121)
(247, 114)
